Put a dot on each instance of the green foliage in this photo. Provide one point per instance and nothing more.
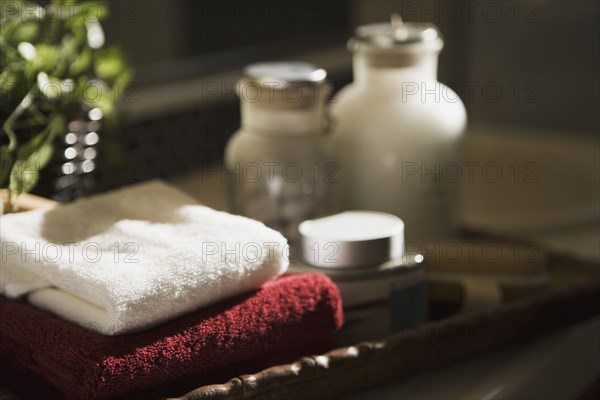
(49, 59)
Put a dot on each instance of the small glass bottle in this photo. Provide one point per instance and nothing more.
(398, 130)
(276, 164)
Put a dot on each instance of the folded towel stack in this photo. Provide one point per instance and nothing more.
(287, 313)
(147, 289)
(133, 258)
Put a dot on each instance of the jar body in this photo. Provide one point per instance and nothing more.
(278, 179)
(398, 133)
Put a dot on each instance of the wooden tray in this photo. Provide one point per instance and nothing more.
(573, 296)
(26, 201)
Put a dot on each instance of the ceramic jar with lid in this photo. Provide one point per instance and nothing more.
(277, 165)
(398, 130)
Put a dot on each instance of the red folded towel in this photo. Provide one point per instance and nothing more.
(285, 314)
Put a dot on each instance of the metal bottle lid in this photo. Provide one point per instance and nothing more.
(397, 36)
(285, 73)
(352, 239)
(284, 85)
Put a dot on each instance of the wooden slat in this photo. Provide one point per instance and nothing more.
(27, 201)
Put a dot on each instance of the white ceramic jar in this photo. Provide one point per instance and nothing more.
(398, 131)
(277, 166)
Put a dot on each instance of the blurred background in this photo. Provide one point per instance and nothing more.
(550, 45)
(529, 63)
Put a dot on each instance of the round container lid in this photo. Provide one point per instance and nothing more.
(398, 36)
(352, 239)
(285, 73)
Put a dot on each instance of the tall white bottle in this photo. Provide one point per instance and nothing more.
(397, 131)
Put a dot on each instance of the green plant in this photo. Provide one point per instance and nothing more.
(52, 63)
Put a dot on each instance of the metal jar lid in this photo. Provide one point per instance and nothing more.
(284, 85)
(397, 36)
(352, 239)
(281, 74)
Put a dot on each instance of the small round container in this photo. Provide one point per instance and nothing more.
(363, 253)
(352, 239)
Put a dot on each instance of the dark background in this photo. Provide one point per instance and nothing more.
(542, 54)
(527, 63)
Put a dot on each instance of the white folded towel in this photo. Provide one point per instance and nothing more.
(135, 257)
